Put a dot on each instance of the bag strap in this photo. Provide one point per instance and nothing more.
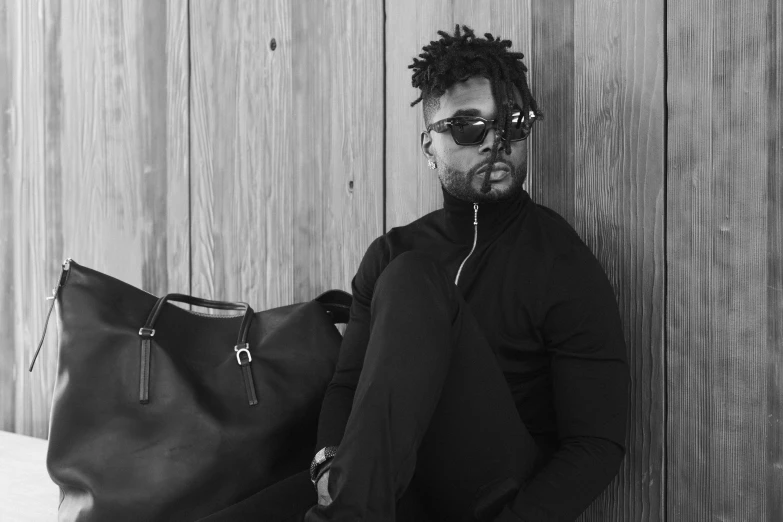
(337, 304)
(66, 267)
(147, 331)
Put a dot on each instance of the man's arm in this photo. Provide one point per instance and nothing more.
(338, 400)
(583, 333)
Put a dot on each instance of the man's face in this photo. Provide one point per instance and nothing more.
(458, 165)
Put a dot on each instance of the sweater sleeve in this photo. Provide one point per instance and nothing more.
(582, 331)
(338, 399)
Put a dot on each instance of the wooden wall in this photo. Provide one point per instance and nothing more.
(287, 172)
(172, 145)
(724, 214)
(167, 144)
(94, 166)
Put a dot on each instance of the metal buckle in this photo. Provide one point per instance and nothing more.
(147, 331)
(244, 348)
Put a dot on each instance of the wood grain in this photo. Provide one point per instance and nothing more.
(8, 42)
(338, 66)
(724, 215)
(275, 220)
(413, 190)
(98, 92)
(618, 174)
(241, 133)
(551, 79)
(31, 236)
(99, 132)
(774, 290)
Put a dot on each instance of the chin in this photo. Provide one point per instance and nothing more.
(498, 192)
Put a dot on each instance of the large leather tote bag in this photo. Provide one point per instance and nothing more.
(160, 413)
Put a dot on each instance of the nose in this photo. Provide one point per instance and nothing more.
(489, 139)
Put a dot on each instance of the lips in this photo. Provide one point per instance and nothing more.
(497, 166)
(499, 172)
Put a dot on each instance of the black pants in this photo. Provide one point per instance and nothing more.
(433, 433)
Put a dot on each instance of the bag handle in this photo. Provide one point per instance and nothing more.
(337, 304)
(147, 331)
(206, 303)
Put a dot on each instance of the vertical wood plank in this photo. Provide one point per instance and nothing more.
(177, 175)
(724, 215)
(287, 147)
(31, 236)
(774, 384)
(95, 177)
(242, 152)
(337, 145)
(412, 189)
(8, 41)
(552, 82)
(111, 111)
(619, 213)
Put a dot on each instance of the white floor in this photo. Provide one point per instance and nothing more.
(27, 494)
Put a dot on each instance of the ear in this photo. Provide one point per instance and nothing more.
(426, 145)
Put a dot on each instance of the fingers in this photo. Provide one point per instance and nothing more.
(324, 499)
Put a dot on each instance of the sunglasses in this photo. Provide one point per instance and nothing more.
(471, 130)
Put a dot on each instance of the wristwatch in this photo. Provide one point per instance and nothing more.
(323, 455)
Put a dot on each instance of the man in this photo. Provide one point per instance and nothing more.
(483, 374)
(483, 368)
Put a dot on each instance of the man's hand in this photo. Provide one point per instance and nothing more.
(323, 490)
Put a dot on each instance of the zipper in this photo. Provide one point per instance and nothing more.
(475, 238)
(53, 298)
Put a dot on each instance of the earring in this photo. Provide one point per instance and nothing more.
(431, 164)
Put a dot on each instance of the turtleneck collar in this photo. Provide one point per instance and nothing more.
(493, 218)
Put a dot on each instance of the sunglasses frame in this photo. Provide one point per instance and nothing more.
(446, 124)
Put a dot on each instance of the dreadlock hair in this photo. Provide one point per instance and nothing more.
(456, 57)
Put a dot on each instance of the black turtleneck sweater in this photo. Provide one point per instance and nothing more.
(549, 313)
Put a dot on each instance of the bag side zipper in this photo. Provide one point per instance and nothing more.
(475, 238)
(55, 292)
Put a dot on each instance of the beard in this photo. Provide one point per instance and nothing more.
(461, 184)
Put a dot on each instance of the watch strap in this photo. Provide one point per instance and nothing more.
(324, 455)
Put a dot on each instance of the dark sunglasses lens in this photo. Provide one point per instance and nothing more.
(467, 131)
(518, 129)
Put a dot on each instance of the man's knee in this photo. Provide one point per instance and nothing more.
(417, 285)
(415, 275)
(411, 270)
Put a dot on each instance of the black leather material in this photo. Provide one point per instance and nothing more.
(196, 442)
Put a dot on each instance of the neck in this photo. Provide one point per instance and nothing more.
(493, 216)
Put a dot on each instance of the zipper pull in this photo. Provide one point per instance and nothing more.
(55, 291)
